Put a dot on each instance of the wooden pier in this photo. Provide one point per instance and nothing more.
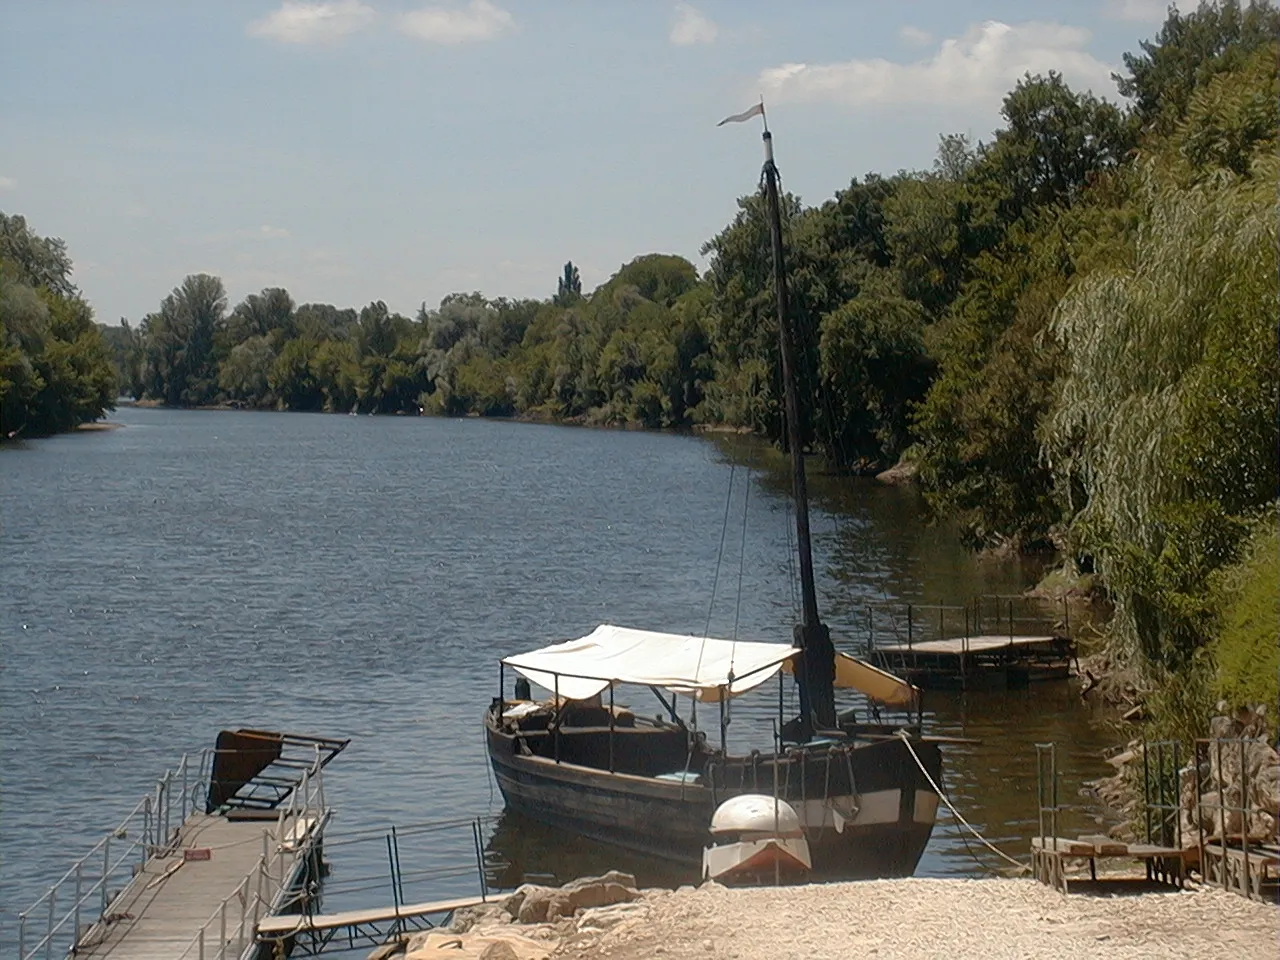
(224, 842)
(941, 647)
(212, 886)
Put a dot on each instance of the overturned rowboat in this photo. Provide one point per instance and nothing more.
(756, 837)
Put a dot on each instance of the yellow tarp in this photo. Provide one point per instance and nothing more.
(855, 674)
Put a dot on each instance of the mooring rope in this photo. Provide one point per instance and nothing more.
(954, 812)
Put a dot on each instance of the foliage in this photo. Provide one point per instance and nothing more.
(1188, 52)
(55, 368)
(1069, 328)
(1247, 601)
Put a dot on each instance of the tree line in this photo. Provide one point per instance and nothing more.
(1067, 331)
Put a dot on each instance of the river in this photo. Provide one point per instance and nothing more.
(360, 576)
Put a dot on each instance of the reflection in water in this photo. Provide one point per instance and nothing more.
(521, 850)
(361, 576)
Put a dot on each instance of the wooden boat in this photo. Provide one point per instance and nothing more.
(864, 794)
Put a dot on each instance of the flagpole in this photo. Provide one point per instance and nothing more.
(815, 673)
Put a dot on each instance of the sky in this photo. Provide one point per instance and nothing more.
(360, 150)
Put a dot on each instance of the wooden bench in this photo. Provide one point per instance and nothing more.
(1049, 856)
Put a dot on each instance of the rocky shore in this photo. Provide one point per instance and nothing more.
(885, 919)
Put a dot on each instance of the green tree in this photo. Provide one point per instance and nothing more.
(1190, 49)
(568, 287)
(181, 368)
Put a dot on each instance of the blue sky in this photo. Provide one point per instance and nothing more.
(353, 150)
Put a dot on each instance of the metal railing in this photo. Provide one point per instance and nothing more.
(986, 614)
(274, 884)
(92, 883)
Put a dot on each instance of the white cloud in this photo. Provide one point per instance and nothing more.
(915, 37)
(267, 232)
(7, 183)
(301, 21)
(478, 20)
(692, 27)
(1137, 11)
(979, 67)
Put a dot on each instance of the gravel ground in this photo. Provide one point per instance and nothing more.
(918, 919)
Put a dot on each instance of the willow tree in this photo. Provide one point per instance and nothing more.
(1165, 427)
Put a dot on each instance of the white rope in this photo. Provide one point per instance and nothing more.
(954, 812)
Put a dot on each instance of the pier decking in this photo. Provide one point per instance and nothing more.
(180, 897)
(224, 841)
(954, 647)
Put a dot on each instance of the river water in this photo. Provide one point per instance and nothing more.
(360, 577)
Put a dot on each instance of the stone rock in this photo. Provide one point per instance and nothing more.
(388, 950)
(498, 945)
(900, 473)
(487, 914)
(534, 904)
(606, 918)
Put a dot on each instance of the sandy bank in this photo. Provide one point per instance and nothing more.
(915, 919)
(920, 918)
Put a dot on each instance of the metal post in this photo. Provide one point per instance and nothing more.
(1011, 621)
(909, 637)
(1222, 815)
(22, 936)
(870, 631)
(391, 868)
(48, 935)
(611, 728)
(556, 718)
(76, 921)
(484, 884)
(1244, 820)
(184, 788)
(941, 629)
(222, 930)
(200, 940)
(1146, 790)
(106, 871)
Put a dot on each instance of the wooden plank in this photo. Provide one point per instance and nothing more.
(1073, 848)
(958, 645)
(289, 925)
(1104, 846)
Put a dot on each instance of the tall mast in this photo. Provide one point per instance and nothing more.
(816, 678)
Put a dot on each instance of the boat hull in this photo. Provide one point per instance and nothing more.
(879, 827)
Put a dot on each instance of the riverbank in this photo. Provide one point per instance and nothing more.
(909, 919)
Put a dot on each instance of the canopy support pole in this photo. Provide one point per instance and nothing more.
(611, 728)
(556, 717)
(669, 707)
(724, 731)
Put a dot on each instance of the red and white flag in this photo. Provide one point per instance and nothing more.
(756, 111)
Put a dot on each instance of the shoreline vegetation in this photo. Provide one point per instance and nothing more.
(1064, 336)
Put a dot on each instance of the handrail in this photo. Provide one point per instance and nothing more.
(152, 835)
(249, 896)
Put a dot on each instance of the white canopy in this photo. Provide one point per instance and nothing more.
(699, 666)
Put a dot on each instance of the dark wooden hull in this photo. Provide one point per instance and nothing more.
(883, 837)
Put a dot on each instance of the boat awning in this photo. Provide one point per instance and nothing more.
(695, 666)
(879, 685)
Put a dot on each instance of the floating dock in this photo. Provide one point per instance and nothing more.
(981, 645)
(229, 838)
